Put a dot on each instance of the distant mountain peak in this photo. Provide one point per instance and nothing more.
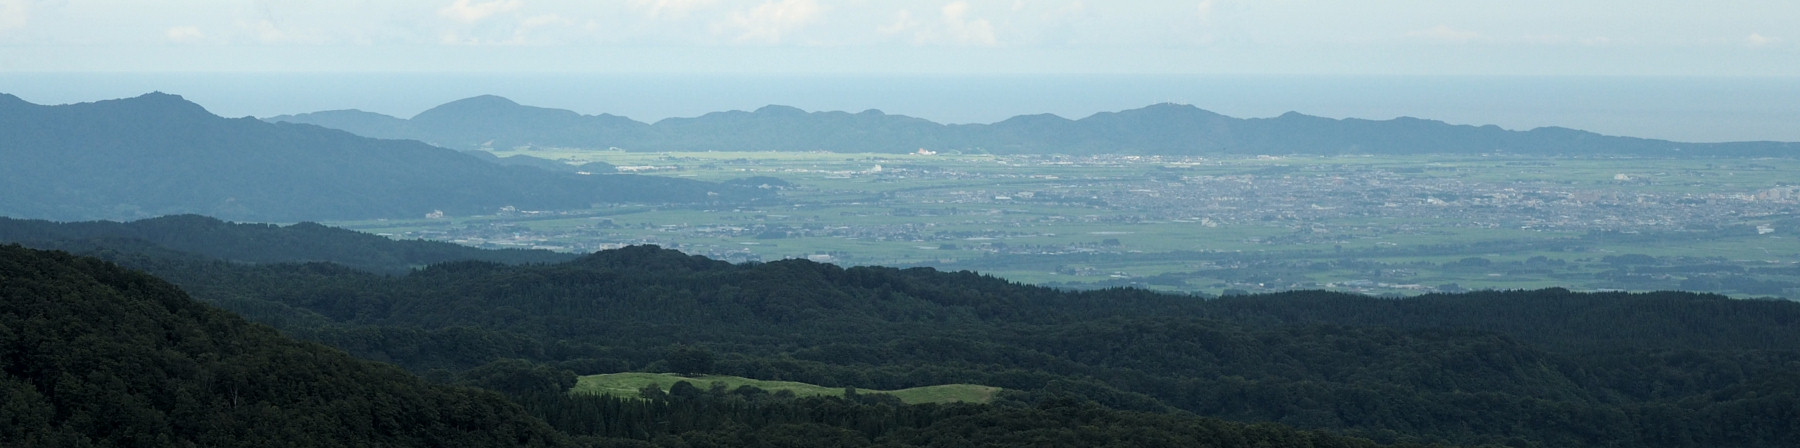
(1162, 111)
(159, 103)
(776, 109)
(1169, 108)
(1036, 118)
(495, 100)
(470, 105)
(158, 97)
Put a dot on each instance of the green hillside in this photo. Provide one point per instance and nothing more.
(628, 385)
(1519, 368)
(94, 355)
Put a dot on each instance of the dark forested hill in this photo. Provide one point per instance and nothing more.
(1164, 129)
(1454, 370)
(158, 154)
(260, 243)
(94, 355)
(1521, 368)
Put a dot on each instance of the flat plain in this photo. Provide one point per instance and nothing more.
(1369, 224)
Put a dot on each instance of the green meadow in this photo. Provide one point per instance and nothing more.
(630, 385)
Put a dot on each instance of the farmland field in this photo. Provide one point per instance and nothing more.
(628, 385)
(1375, 225)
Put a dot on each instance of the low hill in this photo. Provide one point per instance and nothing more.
(95, 355)
(629, 384)
(258, 243)
(158, 154)
(1161, 129)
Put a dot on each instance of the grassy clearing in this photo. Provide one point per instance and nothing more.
(628, 384)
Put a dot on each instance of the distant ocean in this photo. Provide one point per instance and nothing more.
(1694, 109)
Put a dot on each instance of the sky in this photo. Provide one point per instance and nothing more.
(940, 37)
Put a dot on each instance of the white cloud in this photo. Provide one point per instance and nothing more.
(770, 20)
(184, 34)
(1444, 33)
(466, 11)
(1759, 40)
(961, 29)
(14, 14)
(1206, 9)
(671, 9)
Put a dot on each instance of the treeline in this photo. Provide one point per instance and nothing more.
(688, 415)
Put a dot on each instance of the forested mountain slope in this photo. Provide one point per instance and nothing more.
(158, 154)
(95, 355)
(1527, 368)
(1458, 376)
(1165, 129)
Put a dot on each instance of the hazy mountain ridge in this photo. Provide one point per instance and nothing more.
(1162, 129)
(159, 154)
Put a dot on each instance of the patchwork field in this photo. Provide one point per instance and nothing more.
(1376, 225)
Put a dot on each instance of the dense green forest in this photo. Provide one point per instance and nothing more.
(93, 355)
(1520, 368)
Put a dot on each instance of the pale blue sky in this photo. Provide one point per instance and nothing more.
(1315, 37)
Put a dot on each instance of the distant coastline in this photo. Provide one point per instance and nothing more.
(1693, 109)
